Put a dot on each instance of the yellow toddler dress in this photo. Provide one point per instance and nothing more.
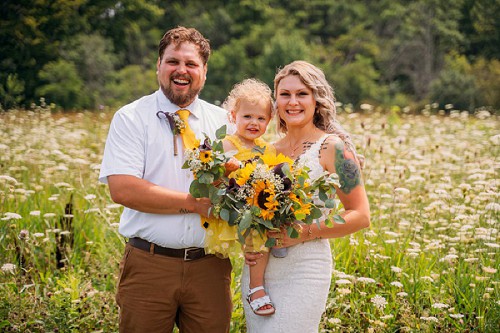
(222, 239)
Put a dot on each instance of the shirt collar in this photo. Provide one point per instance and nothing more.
(165, 105)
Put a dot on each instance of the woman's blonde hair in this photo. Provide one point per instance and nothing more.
(325, 113)
(253, 91)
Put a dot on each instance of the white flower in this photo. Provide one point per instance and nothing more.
(343, 281)
(401, 190)
(11, 216)
(8, 268)
(456, 315)
(402, 294)
(334, 321)
(397, 284)
(440, 306)
(113, 206)
(490, 270)
(366, 280)
(344, 291)
(35, 213)
(90, 197)
(434, 319)
(396, 269)
(8, 179)
(379, 301)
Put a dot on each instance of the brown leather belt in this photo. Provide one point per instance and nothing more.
(191, 253)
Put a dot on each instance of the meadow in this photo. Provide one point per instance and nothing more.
(429, 263)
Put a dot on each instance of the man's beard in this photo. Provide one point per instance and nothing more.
(180, 99)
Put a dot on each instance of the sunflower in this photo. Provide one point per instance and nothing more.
(259, 188)
(273, 160)
(244, 174)
(206, 156)
(303, 211)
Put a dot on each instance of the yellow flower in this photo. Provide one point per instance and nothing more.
(303, 211)
(273, 160)
(205, 156)
(244, 174)
(266, 214)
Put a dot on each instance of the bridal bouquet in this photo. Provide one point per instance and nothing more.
(268, 192)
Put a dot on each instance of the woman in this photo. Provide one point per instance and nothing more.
(299, 283)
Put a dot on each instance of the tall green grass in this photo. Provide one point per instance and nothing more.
(430, 261)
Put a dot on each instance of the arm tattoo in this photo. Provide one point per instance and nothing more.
(184, 211)
(347, 169)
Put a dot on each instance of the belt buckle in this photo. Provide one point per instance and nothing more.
(186, 253)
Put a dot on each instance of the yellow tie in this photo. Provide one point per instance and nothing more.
(187, 135)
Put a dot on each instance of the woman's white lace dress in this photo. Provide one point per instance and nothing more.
(297, 284)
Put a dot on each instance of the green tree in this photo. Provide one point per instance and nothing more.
(357, 82)
(11, 94)
(128, 84)
(94, 59)
(62, 85)
(487, 80)
(30, 37)
(455, 85)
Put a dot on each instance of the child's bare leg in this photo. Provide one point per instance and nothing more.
(257, 272)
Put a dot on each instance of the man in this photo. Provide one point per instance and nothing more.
(165, 276)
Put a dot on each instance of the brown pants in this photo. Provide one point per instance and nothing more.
(154, 289)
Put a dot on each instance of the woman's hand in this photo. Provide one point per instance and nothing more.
(282, 238)
(252, 257)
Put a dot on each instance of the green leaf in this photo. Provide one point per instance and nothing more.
(315, 213)
(292, 232)
(194, 189)
(268, 224)
(338, 219)
(246, 220)
(206, 178)
(221, 132)
(259, 150)
(271, 242)
(224, 214)
(330, 203)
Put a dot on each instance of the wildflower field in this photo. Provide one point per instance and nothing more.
(429, 263)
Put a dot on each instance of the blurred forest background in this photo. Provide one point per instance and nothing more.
(94, 54)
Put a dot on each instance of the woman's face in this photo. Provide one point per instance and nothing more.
(295, 101)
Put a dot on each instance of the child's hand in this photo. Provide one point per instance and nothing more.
(232, 165)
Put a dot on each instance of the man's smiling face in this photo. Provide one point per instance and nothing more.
(181, 73)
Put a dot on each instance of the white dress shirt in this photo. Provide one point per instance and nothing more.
(141, 144)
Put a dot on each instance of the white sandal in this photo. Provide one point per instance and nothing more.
(257, 303)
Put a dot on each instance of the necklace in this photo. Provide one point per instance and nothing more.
(292, 154)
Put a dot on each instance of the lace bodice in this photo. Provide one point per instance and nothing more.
(310, 158)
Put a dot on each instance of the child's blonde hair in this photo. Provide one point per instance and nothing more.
(250, 90)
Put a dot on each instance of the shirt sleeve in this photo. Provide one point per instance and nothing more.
(124, 152)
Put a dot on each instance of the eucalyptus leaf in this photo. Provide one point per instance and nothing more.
(292, 232)
(338, 219)
(330, 203)
(246, 220)
(206, 178)
(221, 132)
(224, 214)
